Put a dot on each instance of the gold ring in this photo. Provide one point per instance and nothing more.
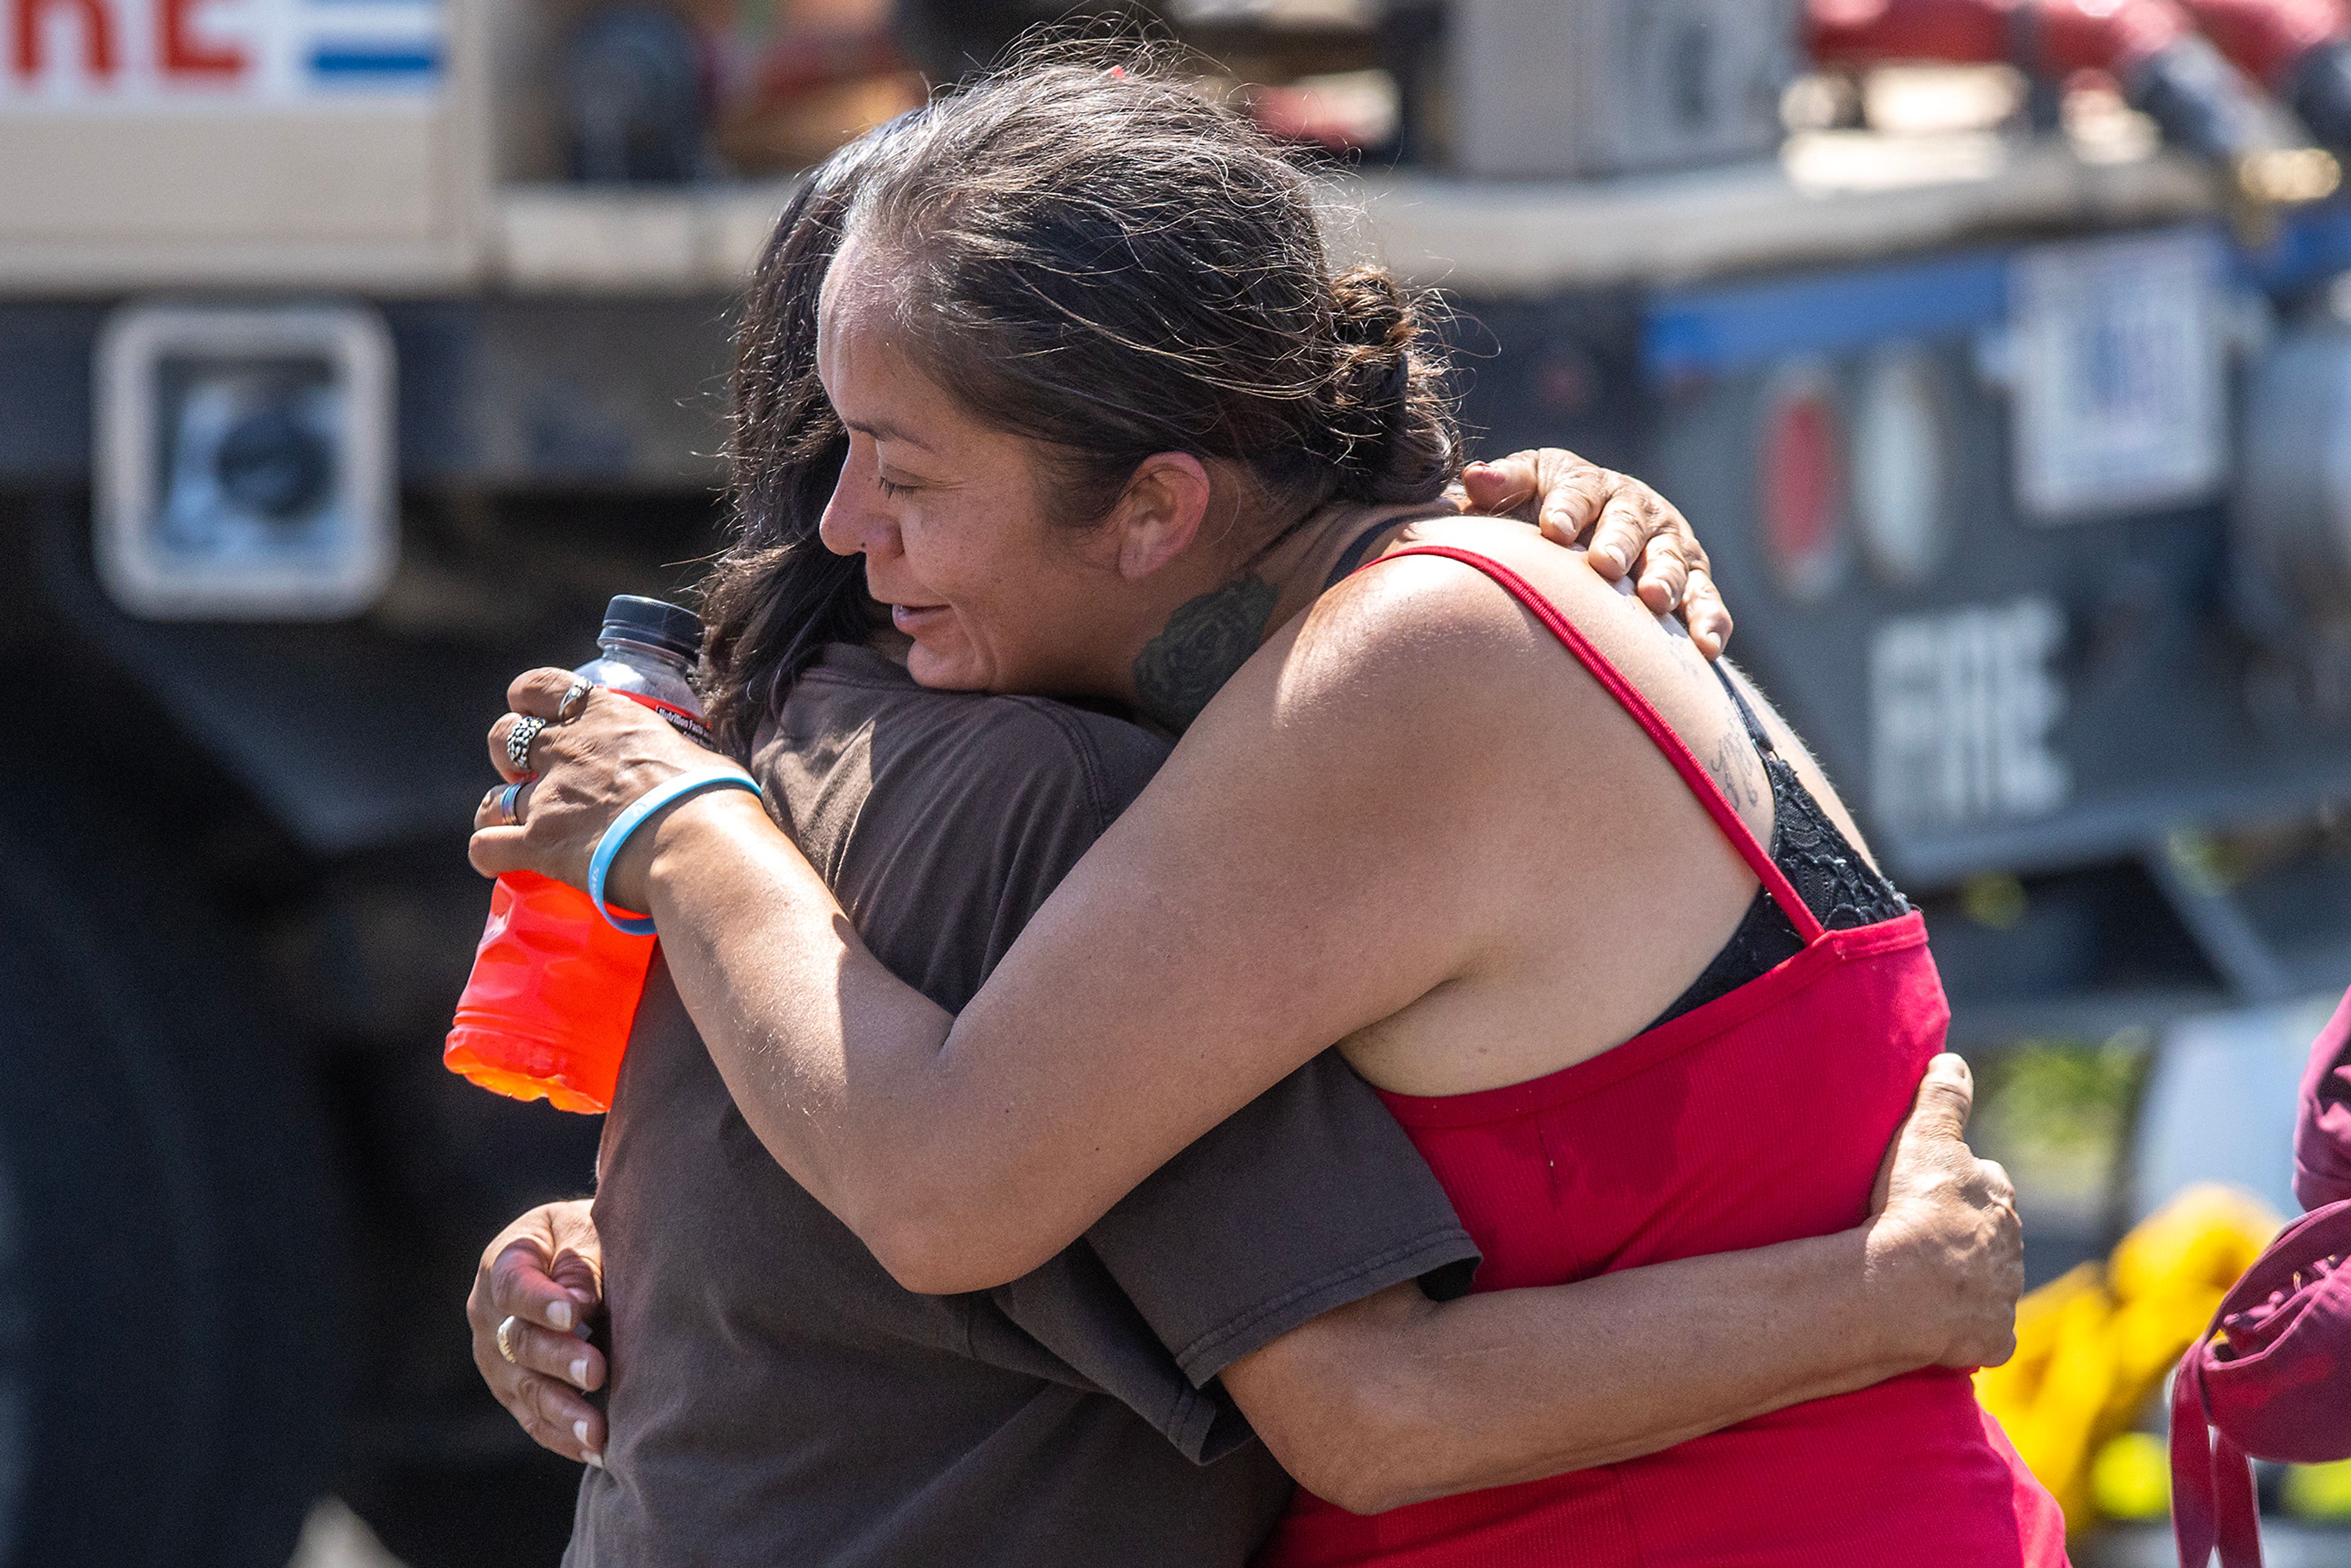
(506, 1339)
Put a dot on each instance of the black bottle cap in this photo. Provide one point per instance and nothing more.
(654, 623)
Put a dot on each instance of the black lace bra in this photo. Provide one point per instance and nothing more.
(1836, 884)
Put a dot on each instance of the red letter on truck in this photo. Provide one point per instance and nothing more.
(184, 54)
(97, 36)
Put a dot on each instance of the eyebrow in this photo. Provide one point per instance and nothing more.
(885, 431)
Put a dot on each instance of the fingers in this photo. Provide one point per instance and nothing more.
(1575, 495)
(1500, 488)
(1995, 1178)
(557, 1419)
(563, 1357)
(1628, 523)
(1703, 611)
(540, 1281)
(500, 758)
(521, 1285)
(1992, 1181)
(538, 693)
(1663, 574)
(1947, 1097)
(491, 814)
(1552, 487)
(495, 851)
(534, 694)
(1629, 517)
(550, 1365)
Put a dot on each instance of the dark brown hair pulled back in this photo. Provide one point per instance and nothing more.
(1105, 262)
(777, 596)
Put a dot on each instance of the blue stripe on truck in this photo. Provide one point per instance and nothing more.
(345, 61)
(1747, 326)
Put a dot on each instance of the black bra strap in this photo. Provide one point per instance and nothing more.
(1755, 731)
(1352, 556)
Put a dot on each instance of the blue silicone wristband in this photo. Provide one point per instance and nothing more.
(624, 827)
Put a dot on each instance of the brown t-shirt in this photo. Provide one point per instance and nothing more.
(776, 1399)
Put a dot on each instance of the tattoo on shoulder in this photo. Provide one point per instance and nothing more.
(1202, 645)
(1736, 769)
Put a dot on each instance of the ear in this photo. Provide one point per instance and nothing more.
(1160, 514)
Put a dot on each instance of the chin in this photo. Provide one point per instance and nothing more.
(945, 672)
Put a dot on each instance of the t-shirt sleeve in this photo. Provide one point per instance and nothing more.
(1309, 1198)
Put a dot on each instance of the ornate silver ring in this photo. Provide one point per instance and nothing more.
(518, 739)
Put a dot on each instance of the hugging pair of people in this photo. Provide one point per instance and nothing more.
(1241, 971)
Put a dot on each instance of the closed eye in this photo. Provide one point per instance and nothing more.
(891, 489)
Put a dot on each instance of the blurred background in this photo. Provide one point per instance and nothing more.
(351, 351)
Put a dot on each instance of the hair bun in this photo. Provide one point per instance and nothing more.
(1377, 378)
(1371, 307)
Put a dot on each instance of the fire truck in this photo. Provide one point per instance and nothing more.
(351, 351)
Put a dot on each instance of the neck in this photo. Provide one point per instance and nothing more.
(1208, 637)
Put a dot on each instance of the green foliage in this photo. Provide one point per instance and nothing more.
(2055, 1111)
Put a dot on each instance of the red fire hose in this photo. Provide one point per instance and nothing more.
(2204, 97)
(2044, 38)
(2269, 39)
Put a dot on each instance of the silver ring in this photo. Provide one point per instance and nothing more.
(518, 739)
(510, 805)
(574, 700)
(505, 1340)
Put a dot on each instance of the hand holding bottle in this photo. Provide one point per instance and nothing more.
(555, 987)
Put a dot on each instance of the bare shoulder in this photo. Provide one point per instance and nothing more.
(1440, 628)
(1440, 649)
(1406, 615)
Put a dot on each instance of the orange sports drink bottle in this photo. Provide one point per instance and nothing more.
(555, 987)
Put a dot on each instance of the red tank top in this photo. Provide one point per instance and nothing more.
(1759, 1117)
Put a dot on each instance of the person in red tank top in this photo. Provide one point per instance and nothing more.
(1116, 426)
(1675, 1150)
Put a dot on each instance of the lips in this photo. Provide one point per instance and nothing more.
(915, 619)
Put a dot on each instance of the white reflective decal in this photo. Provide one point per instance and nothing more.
(1962, 705)
(147, 55)
(2120, 368)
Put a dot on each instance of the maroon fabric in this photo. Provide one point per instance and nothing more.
(1759, 1117)
(2271, 1379)
(2321, 1138)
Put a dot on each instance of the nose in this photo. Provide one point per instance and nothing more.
(853, 523)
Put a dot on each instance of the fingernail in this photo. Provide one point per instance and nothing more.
(590, 1456)
(1611, 555)
(559, 1313)
(579, 1430)
(580, 1372)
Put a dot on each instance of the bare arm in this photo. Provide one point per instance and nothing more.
(1276, 888)
(1395, 1398)
(1340, 835)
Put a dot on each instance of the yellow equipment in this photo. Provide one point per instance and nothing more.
(2094, 1344)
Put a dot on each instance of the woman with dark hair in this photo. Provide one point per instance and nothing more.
(1113, 430)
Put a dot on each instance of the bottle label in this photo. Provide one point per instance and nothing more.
(688, 725)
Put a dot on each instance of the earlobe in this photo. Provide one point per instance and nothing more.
(1160, 514)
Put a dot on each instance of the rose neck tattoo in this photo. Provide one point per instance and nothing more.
(1202, 645)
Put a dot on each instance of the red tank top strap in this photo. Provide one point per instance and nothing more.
(1661, 734)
